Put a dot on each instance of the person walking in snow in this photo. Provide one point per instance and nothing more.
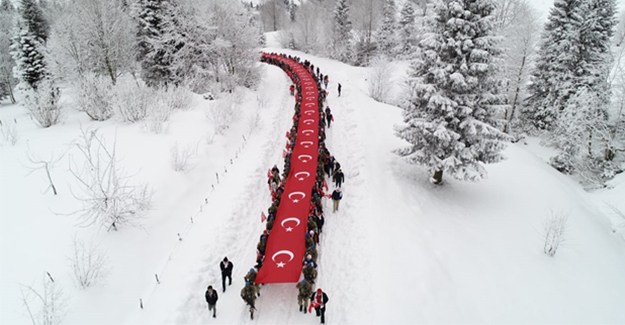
(339, 90)
(292, 89)
(211, 298)
(336, 198)
(226, 272)
(305, 290)
(325, 82)
(318, 300)
(329, 116)
(338, 178)
(248, 294)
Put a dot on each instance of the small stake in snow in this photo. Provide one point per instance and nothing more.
(217, 175)
(191, 222)
(225, 169)
(49, 276)
(244, 139)
(141, 303)
(206, 199)
(180, 238)
(157, 280)
(230, 161)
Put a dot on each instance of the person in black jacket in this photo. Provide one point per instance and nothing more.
(336, 198)
(211, 299)
(226, 272)
(338, 178)
(319, 299)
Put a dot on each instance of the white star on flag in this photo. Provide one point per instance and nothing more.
(280, 264)
(289, 229)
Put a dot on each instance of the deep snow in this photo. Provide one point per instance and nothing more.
(400, 250)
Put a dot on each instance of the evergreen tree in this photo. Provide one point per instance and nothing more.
(585, 113)
(33, 18)
(553, 79)
(292, 11)
(456, 99)
(6, 6)
(386, 34)
(154, 19)
(27, 53)
(341, 42)
(406, 29)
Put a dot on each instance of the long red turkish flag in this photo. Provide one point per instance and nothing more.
(286, 244)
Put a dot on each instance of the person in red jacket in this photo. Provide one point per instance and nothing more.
(318, 300)
(292, 89)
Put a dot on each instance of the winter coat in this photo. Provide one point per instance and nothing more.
(336, 195)
(250, 277)
(211, 299)
(248, 293)
(324, 298)
(338, 177)
(304, 289)
(226, 267)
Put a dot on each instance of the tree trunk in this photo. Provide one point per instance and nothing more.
(516, 96)
(438, 177)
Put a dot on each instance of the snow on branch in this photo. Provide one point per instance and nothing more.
(109, 198)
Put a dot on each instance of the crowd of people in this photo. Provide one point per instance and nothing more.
(327, 166)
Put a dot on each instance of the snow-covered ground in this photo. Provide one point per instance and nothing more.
(400, 250)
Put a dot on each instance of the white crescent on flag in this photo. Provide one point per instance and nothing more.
(309, 98)
(289, 229)
(301, 194)
(283, 252)
(304, 158)
(310, 93)
(301, 178)
(310, 88)
(306, 144)
(307, 132)
(309, 111)
(308, 121)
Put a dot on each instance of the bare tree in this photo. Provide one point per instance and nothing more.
(519, 24)
(273, 14)
(93, 36)
(553, 231)
(88, 263)
(180, 156)
(43, 104)
(380, 82)
(37, 163)
(9, 133)
(108, 197)
(366, 15)
(46, 306)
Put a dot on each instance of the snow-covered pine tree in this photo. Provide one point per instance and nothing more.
(341, 38)
(586, 111)
(455, 108)
(6, 6)
(33, 17)
(553, 78)
(27, 52)
(406, 29)
(386, 34)
(154, 19)
(292, 11)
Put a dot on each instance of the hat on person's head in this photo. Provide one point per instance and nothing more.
(319, 291)
(252, 270)
(309, 256)
(210, 288)
(225, 259)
